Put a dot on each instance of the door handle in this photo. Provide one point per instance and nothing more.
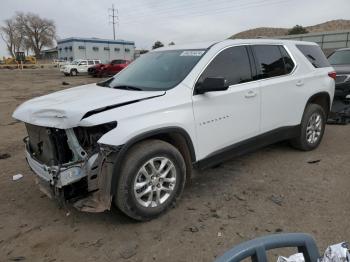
(250, 94)
(299, 83)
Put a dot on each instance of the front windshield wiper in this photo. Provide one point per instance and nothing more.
(125, 87)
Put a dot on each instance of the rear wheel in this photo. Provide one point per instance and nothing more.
(151, 180)
(311, 129)
(73, 72)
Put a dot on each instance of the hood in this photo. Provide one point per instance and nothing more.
(342, 69)
(65, 109)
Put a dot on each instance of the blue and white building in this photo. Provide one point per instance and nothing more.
(95, 48)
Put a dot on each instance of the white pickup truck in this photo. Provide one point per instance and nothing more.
(79, 66)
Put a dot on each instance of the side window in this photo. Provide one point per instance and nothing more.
(90, 62)
(270, 62)
(232, 64)
(83, 63)
(315, 55)
(288, 62)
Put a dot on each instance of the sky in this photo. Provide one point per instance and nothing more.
(180, 21)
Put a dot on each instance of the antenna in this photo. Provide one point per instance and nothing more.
(115, 19)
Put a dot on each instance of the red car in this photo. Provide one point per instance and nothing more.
(112, 68)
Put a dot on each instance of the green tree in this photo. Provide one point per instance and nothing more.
(157, 44)
(171, 43)
(298, 29)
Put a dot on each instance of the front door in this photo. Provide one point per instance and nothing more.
(224, 118)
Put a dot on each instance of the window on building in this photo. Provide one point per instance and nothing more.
(60, 49)
(81, 47)
(117, 49)
(95, 48)
(232, 64)
(270, 61)
(127, 50)
(70, 48)
(106, 48)
(66, 48)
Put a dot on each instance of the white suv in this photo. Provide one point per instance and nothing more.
(78, 66)
(134, 139)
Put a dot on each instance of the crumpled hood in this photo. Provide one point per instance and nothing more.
(64, 109)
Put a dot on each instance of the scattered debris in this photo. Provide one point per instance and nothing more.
(65, 83)
(191, 208)
(219, 234)
(129, 250)
(21, 258)
(192, 229)
(4, 156)
(240, 234)
(314, 161)
(68, 214)
(277, 199)
(278, 230)
(17, 177)
(240, 198)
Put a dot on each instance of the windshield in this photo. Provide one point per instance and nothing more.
(340, 58)
(160, 70)
(75, 62)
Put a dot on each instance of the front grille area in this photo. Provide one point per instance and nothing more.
(340, 79)
(48, 146)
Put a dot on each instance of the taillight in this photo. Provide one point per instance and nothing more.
(332, 75)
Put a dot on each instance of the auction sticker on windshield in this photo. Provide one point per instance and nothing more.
(192, 53)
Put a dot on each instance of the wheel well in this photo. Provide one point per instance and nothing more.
(180, 142)
(321, 99)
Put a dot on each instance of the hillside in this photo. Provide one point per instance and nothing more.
(333, 25)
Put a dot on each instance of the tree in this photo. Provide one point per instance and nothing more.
(157, 44)
(11, 34)
(38, 32)
(298, 29)
(171, 43)
(143, 51)
(28, 32)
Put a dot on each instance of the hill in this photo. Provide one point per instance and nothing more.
(333, 25)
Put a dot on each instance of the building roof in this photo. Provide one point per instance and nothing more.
(95, 40)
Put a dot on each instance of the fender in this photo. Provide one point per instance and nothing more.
(122, 150)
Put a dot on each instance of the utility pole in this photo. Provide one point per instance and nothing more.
(114, 15)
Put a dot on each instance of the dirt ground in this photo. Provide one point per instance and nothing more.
(272, 190)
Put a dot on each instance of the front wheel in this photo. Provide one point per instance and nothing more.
(311, 129)
(151, 180)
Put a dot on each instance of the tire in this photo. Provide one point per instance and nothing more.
(310, 124)
(141, 156)
(73, 72)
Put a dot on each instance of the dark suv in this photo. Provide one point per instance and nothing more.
(340, 60)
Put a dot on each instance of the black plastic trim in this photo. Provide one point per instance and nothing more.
(106, 108)
(248, 145)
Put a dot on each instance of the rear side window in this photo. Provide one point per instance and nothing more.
(90, 62)
(232, 64)
(270, 62)
(315, 55)
(288, 62)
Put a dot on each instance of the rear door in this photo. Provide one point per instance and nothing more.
(278, 87)
(224, 118)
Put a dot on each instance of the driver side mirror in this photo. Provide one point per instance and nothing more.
(211, 84)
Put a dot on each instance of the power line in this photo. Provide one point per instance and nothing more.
(225, 9)
(115, 18)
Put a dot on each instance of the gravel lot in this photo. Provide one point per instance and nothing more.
(272, 190)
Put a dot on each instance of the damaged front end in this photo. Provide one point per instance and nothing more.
(71, 166)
